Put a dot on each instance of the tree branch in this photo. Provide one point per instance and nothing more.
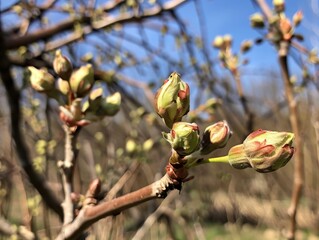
(13, 95)
(90, 214)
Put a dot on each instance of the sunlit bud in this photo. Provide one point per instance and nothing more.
(215, 136)
(184, 138)
(172, 100)
(285, 28)
(62, 65)
(238, 158)
(257, 20)
(228, 40)
(279, 5)
(63, 86)
(313, 56)
(110, 105)
(246, 46)
(297, 18)
(130, 146)
(41, 80)
(264, 151)
(218, 42)
(75, 109)
(95, 99)
(82, 80)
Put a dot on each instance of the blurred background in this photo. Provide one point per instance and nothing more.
(134, 46)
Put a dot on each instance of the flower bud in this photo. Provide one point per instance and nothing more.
(238, 158)
(257, 20)
(62, 65)
(286, 28)
(297, 18)
(265, 151)
(81, 81)
(246, 46)
(184, 138)
(41, 80)
(172, 100)
(63, 86)
(109, 105)
(279, 5)
(218, 42)
(228, 40)
(94, 101)
(215, 136)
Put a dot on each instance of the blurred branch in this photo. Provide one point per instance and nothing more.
(13, 42)
(152, 218)
(294, 121)
(13, 231)
(13, 95)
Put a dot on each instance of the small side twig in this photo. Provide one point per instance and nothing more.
(91, 213)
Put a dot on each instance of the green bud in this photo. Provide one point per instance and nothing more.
(228, 40)
(63, 86)
(172, 100)
(265, 151)
(41, 80)
(62, 65)
(94, 101)
(110, 105)
(279, 5)
(218, 42)
(184, 138)
(215, 136)
(257, 20)
(82, 80)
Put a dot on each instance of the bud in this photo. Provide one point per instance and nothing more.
(257, 20)
(82, 80)
(279, 5)
(172, 100)
(228, 40)
(184, 138)
(286, 28)
(94, 101)
(218, 42)
(62, 65)
(215, 136)
(297, 18)
(265, 151)
(63, 86)
(41, 80)
(109, 105)
(246, 46)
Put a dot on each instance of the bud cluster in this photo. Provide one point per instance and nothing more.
(172, 103)
(262, 150)
(280, 28)
(70, 89)
(228, 59)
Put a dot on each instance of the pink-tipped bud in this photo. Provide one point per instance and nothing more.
(264, 151)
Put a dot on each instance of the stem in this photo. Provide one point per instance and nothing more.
(90, 214)
(243, 100)
(222, 159)
(294, 121)
(67, 173)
